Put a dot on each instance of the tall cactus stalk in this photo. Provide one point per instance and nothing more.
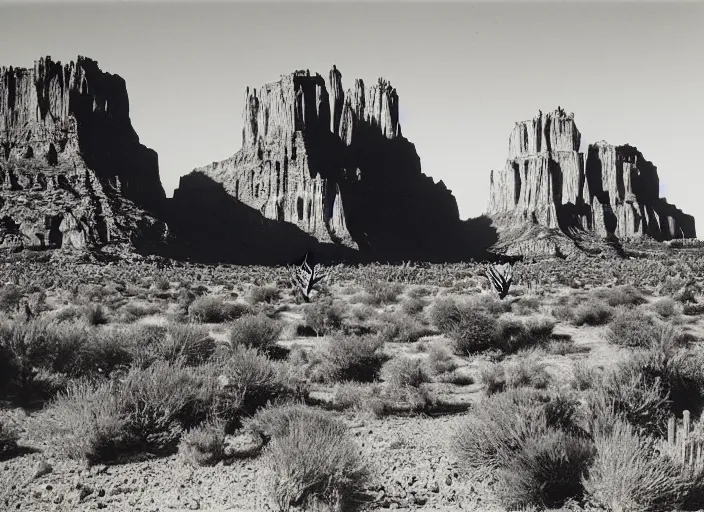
(683, 447)
(500, 277)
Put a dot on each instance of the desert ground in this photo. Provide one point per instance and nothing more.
(136, 386)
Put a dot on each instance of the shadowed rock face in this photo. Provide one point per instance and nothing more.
(548, 189)
(72, 170)
(334, 165)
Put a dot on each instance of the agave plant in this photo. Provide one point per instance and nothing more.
(306, 277)
(500, 276)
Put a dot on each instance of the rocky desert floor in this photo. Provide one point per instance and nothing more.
(405, 431)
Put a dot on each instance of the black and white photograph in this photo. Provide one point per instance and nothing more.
(351, 255)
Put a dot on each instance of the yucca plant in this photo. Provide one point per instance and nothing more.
(500, 277)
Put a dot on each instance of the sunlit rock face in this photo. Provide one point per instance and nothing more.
(334, 165)
(73, 173)
(547, 182)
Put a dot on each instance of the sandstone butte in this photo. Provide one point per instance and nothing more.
(319, 167)
(323, 166)
(549, 200)
(73, 174)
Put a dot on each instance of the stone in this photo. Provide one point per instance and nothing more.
(323, 168)
(73, 173)
(549, 200)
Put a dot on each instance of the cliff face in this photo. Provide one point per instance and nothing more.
(334, 165)
(72, 170)
(546, 182)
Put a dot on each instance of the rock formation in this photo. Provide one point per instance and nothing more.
(329, 163)
(547, 189)
(72, 170)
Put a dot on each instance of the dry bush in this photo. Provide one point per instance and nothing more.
(203, 445)
(267, 293)
(444, 314)
(315, 463)
(401, 328)
(324, 316)
(274, 420)
(147, 411)
(525, 305)
(627, 474)
(693, 309)
(95, 314)
(621, 296)
(356, 358)
(413, 306)
(632, 328)
(10, 295)
(584, 376)
(8, 441)
(475, 331)
(378, 293)
(666, 307)
(489, 439)
(491, 304)
(525, 371)
(213, 309)
(440, 359)
(592, 312)
(547, 471)
(404, 371)
(133, 311)
(255, 331)
(189, 344)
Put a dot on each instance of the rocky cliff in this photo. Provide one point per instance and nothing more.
(567, 202)
(329, 163)
(72, 170)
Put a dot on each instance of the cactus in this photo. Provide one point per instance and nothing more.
(306, 277)
(500, 276)
(683, 447)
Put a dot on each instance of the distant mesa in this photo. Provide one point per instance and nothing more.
(72, 171)
(326, 166)
(549, 200)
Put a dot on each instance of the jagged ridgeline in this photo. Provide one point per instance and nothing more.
(551, 200)
(321, 169)
(72, 171)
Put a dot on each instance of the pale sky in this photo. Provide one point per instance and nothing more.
(632, 72)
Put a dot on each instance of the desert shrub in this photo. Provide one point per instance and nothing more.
(274, 420)
(693, 309)
(403, 372)
(671, 286)
(203, 445)
(10, 295)
(259, 294)
(189, 344)
(356, 358)
(314, 462)
(401, 328)
(631, 395)
(8, 441)
(474, 332)
(592, 312)
(360, 397)
(256, 331)
(362, 312)
(627, 474)
(440, 359)
(95, 314)
(69, 313)
(490, 438)
(547, 470)
(493, 377)
(491, 304)
(444, 314)
(324, 316)
(378, 293)
(626, 295)
(584, 376)
(212, 309)
(161, 283)
(147, 411)
(249, 380)
(666, 307)
(413, 306)
(525, 305)
(526, 371)
(632, 328)
(563, 313)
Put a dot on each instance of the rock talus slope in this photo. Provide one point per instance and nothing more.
(73, 173)
(549, 200)
(321, 166)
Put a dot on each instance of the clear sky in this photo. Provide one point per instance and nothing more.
(631, 72)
